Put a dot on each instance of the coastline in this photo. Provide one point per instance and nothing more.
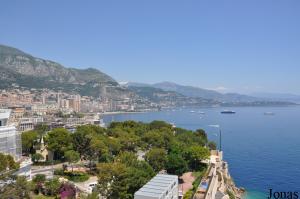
(196, 107)
(123, 112)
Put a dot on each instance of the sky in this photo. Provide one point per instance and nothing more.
(227, 45)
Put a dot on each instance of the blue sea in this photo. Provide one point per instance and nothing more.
(263, 151)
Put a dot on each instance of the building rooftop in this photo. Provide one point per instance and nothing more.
(158, 186)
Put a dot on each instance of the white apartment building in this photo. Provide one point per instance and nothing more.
(26, 124)
(162, 186)
(10, 139)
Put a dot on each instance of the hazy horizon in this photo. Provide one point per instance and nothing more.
(244, 47)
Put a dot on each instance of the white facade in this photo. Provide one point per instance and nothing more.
(27, 124)
(160, 187)
(10, 139)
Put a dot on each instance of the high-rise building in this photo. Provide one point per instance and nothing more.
(74, 102)
(10, 139)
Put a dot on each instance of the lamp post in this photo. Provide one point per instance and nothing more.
(220, 134)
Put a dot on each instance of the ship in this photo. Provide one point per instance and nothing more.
(269, 113)
(228, 112)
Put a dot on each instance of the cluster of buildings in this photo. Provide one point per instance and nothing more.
(44, 101)
(30, 108)
(23, 110)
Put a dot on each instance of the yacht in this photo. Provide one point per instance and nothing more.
(269, 113)
(228, 112)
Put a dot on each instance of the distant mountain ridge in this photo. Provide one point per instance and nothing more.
(278, 96)
(196, 92)
(25, 70)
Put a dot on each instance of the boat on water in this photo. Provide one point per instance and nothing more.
(201, 112)
(228, 112)
(269, 113)
(192, 111)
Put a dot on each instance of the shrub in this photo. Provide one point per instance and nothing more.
(230, 194)
(188, 195)
(198, 176)
(52, 187)
(75, 176)
(59, 172)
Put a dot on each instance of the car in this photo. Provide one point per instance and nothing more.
(91, 186)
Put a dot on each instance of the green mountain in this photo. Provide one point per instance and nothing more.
(18, 67)
(198, 96)
(192, 91)
(169, 98)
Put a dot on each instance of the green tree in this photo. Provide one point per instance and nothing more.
(39, 181)
(41, 129)
(186, 138)
(195, 154)
(212, 145)
(96, 149)
(114, 145)
(58, 141)
(176, 164)
(145, 166)
(202, 134)
(4, 163)
(112, 180)
(156, 124)
(159, 138)
(39, 178)
(7, 162)
(11, 162)
(82, 138)
(29, 139)
(136, 178)
(72, 157)
(128, 141)
(37, 157)
(157, 158)
(127, 158)
(98, 130)
(117, 180)
(153, 138)
(18, 190)
(52, 187)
